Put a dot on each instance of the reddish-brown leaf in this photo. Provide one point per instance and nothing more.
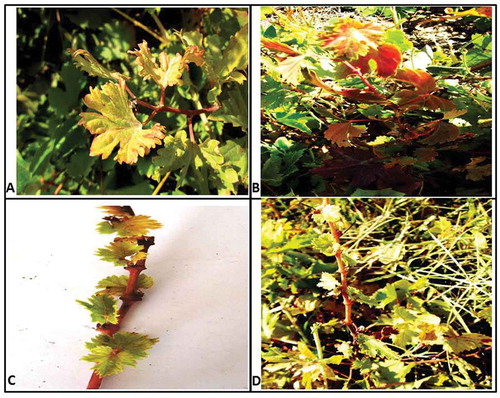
(476, 172)
(426, 154)
(434, 102)
(279, 47)
(423, 81)
(342, 133)
(442, 132)
(387, 56)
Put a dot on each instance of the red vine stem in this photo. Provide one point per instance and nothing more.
(343, 275)
(129, 297)
(357, 72)
(164, 108)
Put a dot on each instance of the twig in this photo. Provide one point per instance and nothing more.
(343, 275)
(162, 182)
(140, 25)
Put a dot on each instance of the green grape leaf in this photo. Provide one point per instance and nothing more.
(86, 62)
(80, 164)
(325, 244)
(487, 314)
(295, 119)
(114, 285)
(235, 154)
(116, 124)
(375, 348)
(235, 55)
(174, 154)
(121, 253)
(105, 227)
(170, 70)
(112, 353)
(129, 226)
(234, 108)
(103, 308)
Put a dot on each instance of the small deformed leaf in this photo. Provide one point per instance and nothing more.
(325, 244)
(116, 124)
(329, 282)
(118, 211)
(121, 253)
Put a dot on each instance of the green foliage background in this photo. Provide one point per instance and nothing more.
(420, 277)
(53, 151)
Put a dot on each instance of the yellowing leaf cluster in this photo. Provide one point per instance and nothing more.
(170, 69)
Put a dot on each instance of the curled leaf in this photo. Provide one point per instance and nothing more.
(86, 62)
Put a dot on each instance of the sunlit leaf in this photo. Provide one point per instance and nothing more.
(466, 342)
(116, 124)
(423, 81)
(86, 62)
(170, 68)
(276, 46)
(350, 38)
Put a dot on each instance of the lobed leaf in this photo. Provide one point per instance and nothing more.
(112, 353)
(466, 342)
(350, 38)
(170, 69)
(342, 133)
(103, 308)
(131, 226)
(121, 253)
(116, 124)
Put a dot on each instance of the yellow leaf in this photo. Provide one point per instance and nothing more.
(116, 124)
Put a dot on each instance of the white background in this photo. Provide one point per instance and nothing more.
(198, 306)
